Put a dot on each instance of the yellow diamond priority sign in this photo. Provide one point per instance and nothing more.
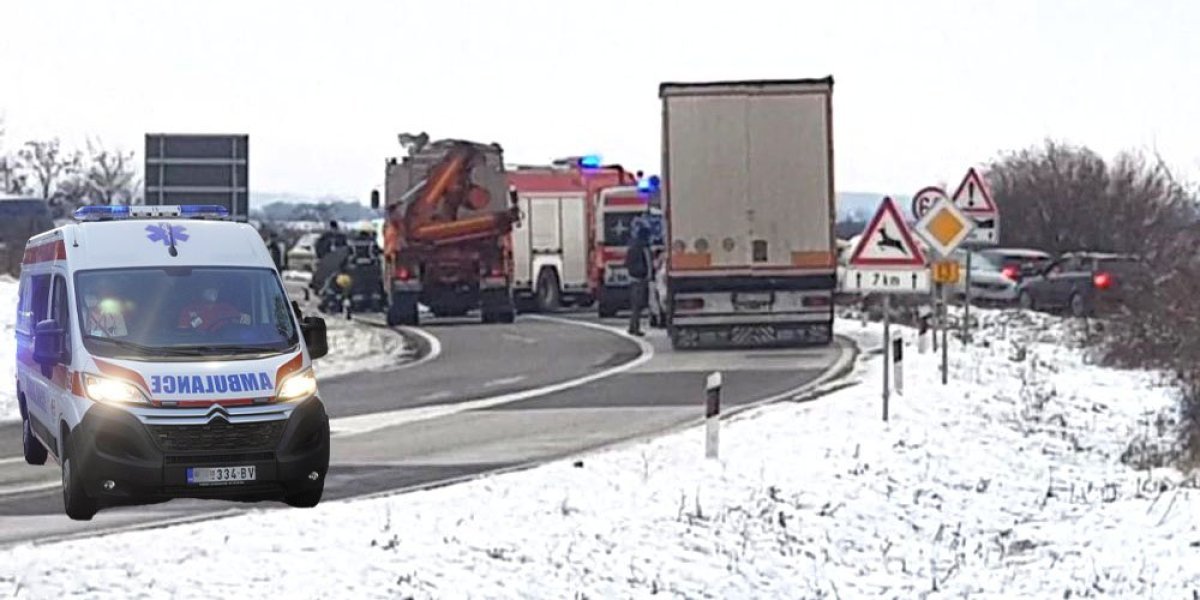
(944, 227)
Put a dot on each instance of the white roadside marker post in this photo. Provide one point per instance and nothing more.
(898, 363)
(712, 414)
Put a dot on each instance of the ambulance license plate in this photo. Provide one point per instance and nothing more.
(219, 475)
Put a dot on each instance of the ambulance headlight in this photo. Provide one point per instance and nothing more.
(300, 386)
(112, 391)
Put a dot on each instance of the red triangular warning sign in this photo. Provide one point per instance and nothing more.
(972, 196)
(887, 241)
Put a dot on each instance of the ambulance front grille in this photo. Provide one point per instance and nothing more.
(218, 436)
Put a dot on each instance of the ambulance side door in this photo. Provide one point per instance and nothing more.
(60, 386)
(35, 385)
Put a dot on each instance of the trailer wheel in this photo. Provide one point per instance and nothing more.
(548, 290)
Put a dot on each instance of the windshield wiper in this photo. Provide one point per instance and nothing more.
(141, 348)
(206, 350)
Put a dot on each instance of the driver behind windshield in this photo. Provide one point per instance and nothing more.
(104, 315)
(209, 313)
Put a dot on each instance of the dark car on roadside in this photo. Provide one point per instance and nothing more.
(1017, 263)
(1084, 284)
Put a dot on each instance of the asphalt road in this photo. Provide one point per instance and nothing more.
(494, 397)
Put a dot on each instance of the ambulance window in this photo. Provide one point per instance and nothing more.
(62, 308)
(39, 301)
(23, 305)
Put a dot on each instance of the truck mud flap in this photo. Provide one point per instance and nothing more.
(751, 336)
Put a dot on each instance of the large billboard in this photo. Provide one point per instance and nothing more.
(199, 169)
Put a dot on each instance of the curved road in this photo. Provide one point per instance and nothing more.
(495, 397)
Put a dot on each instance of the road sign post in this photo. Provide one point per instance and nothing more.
(973, 198)
(887, 261)
(945, 227)
(887, 348)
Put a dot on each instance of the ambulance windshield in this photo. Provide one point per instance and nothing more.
(184, 311)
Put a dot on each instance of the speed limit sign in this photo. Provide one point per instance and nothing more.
(925, 199)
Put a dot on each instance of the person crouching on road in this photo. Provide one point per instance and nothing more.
(639, 264)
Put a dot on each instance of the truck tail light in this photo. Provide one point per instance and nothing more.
(816, 301)
(1103, 281)
(689, 303)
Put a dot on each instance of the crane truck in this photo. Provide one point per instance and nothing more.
(446, 243)
(749, 204)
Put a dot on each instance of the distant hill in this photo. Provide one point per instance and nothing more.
(861, 206)
(851, 206)
(295, 207)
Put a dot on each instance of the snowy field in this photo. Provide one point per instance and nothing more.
(1009, 482)
(352, 347)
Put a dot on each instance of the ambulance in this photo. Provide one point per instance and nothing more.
(159, 356)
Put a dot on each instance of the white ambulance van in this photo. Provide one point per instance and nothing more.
(158, 356)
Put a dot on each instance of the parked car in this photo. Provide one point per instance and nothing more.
(990, 283)
(303, 256)
(1017, 263)
(1083, 284)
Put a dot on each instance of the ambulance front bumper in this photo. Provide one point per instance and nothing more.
(120, 457)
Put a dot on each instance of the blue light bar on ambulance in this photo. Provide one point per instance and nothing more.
(648, 185)
(119, 212)
(591, 161)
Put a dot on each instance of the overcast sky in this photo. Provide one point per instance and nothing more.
(923, 89)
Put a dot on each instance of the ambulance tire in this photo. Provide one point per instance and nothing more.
(78, 505)
(35, 452)
(305, 499)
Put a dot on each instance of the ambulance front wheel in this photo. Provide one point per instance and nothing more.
(79, 506)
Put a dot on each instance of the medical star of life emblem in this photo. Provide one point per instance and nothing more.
(620, 228)
(165, 232)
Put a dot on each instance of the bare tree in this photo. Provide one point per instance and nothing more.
(110, 174)
(48, 164)
(1060, 198)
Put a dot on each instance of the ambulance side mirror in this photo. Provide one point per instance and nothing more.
(48, 347)
(374, 199)
(314, 336)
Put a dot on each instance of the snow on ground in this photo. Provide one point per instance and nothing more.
(355, 347)
(352, 347)
(8, 349)
(1006, 482)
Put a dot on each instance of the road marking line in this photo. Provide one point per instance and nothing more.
(33, 487)
(505, 381)
(435, 396)
(435, 347)
(519, 338)
(360, 424)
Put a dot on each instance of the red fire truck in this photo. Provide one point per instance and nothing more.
(555, 243)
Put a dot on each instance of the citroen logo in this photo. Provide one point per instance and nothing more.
(217, 411)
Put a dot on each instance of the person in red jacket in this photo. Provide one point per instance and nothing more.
(209, 314)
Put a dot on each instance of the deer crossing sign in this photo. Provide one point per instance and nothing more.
(887, 257)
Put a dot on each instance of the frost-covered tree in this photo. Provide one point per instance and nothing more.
(47, 165)
(109, 174)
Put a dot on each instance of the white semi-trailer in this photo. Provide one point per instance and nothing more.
(749, 203)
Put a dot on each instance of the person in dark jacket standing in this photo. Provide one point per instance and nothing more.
(640, 265)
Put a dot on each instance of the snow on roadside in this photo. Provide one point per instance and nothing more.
(355, 347)
(8, 349)
(1006, 482)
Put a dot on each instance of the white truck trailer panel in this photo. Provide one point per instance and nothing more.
(750, 210)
